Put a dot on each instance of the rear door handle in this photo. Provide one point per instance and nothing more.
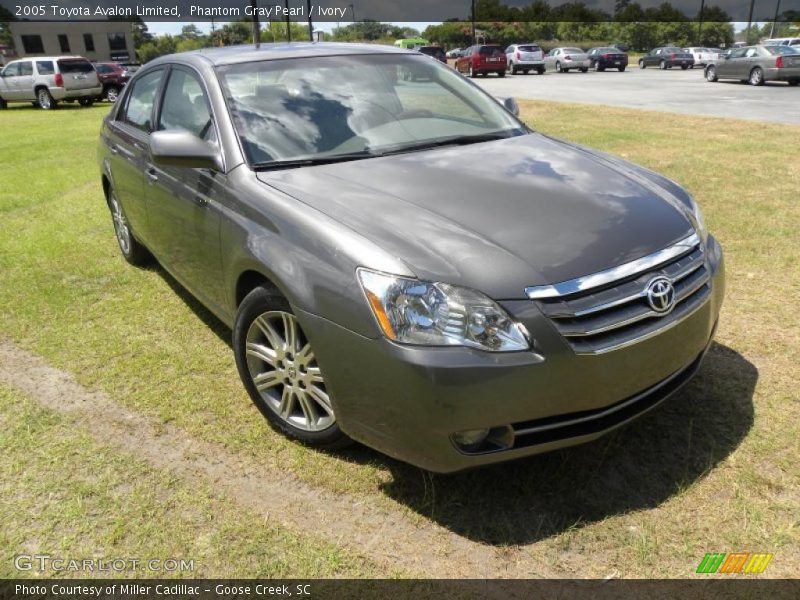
(113, 148)
(152, 175)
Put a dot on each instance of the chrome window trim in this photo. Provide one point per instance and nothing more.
(588, 282)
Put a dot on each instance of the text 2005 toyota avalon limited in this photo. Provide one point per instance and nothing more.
(402, 261)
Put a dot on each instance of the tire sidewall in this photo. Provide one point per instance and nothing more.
(256, 303)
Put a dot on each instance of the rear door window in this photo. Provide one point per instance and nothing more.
(11, 70)
(45, 67)
(26, 68)
(139, 110)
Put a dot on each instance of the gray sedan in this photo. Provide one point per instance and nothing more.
(405, 263)
(565, 59)
(757, 64)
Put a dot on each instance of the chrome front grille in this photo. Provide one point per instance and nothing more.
(613, 310)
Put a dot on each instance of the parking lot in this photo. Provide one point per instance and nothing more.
(651, 89)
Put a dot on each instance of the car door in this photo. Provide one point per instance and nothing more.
(733, 66)
(184, 204)
(127, 141)
(24, 82)
(8, 89)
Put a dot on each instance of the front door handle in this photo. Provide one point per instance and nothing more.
(152, 175)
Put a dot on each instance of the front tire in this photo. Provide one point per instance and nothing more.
(684, 67)
(45, 100)
(584, 69)
(132, 251)
(756, 77)
(662, 65)
(711, 74)
(280, 372)
(642, 65)
(471, 72)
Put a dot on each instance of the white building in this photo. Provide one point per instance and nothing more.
(96, 40)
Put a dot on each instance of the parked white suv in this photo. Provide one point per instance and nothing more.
(525, 58)
(702, 56)
(45, 81)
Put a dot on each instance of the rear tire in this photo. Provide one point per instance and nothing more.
(111, 94)
(45, 100)
(621, 69)
(540, 71)
(471, 72)
(272, 351)
(598, 67)
(662, 65)
(3, 104)
(792, 83)
(511, 68)
(132, 251)
(558, 67)
(584, 69)
(756, 77)
(684, 67)
(501, 73)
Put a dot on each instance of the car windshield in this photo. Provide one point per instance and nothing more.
(346, 107)
(781, 50)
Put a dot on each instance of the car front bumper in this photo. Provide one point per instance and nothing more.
(408, 401)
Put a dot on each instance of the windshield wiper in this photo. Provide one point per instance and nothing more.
(456, 140)
(312, 161)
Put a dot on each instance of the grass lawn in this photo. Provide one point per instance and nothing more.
(714, 469)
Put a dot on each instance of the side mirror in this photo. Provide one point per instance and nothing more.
(509, 104)
(176, 148)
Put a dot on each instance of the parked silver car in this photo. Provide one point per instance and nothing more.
(566, 59)
(525, 58)
(757, 64)
(46, 80)
(433, 279)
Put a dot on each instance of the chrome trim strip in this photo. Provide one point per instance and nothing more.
(649, 335)
(684, 294)
(587, 282)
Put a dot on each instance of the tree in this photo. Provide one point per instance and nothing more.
(190, 32)
(161, 45)
(141, 35)
(275, 31)
(5, 31)
(230, 34)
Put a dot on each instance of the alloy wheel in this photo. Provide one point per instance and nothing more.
(284, 371)
(121, 228)
(756, 77)
(45, 100)
(711, 74)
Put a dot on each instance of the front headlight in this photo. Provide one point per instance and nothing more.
(411, 311)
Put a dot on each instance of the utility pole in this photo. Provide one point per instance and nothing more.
(353, 11)
(700, 24)
(288, 22)
(256, 26)
(772, 28)
(310, 27)
(474, 41)
(749, 22)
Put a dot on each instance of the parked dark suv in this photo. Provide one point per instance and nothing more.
(606, 57)
(666, 58)
(113, 76)
(483, 59)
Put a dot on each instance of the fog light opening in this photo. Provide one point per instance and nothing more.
(478, 441)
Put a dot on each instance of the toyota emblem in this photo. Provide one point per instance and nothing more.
(660, 294)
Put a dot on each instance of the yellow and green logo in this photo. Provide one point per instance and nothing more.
(736, 562)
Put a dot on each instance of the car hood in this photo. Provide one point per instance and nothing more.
(498, 216)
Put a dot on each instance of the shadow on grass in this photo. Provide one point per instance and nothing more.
(636, 467)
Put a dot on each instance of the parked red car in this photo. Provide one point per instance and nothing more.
(481, 60)
(113, 76)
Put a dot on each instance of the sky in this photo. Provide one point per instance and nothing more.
(174, 28)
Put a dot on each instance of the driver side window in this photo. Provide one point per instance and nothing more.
(186, 107)
(11, 70)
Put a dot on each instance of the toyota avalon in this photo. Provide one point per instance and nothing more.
(404, 262)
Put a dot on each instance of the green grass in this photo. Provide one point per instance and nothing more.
(713, 470)
(63, 495)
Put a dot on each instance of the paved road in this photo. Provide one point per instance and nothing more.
(671, 91)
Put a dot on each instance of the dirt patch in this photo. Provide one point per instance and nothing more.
(386, 536)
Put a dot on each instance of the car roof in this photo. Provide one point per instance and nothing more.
(229, 55)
